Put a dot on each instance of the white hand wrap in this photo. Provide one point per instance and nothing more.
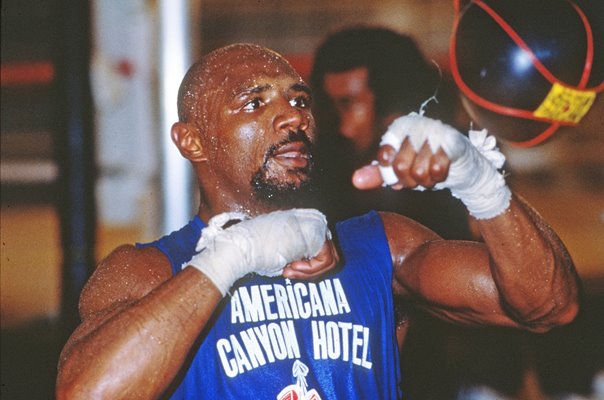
(264, 244)
(473, 175)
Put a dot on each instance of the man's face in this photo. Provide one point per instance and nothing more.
(261, 129)
(355, 103)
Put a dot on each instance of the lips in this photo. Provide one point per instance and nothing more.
(291, 155)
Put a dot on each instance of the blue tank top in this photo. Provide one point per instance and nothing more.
(274, 338)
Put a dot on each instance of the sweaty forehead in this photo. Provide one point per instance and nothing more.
(227, 70)
(241, 53)
(240, 66)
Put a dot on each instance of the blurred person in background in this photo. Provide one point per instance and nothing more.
(363, 78)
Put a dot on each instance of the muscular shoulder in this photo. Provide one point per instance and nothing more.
(405, 237)
(125, 275)
(404, 234)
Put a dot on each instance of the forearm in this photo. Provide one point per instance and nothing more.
(533, 272)
(524, 277)
(139, 349)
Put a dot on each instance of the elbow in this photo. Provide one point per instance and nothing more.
(568, 314)
(72, 389)
(71, 385)
(556, 315)
(561, 318)
(69, 391)
(559, 303)
(80, 390)
(91, 383)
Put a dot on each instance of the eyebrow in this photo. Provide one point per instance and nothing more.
(258, 89)
(301, 87)
(244, 90)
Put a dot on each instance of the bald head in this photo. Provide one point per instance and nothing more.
(246, 125)
(211, 72)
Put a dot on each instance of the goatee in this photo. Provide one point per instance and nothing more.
(286, 194)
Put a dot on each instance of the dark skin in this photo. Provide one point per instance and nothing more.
(520, 277)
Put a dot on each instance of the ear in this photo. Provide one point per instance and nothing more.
(187, 139)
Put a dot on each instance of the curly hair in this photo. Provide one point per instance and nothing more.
(399, 75)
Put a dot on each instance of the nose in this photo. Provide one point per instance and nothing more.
(291, 118)
(348, 126)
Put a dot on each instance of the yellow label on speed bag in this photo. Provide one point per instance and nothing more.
(565, 104)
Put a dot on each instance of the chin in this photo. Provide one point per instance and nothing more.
(289, 193)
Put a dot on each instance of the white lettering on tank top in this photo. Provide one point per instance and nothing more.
(302, 301)
(273, 309)
(341, 340)
(253, 347)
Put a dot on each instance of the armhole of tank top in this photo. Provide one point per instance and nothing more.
(368, 226)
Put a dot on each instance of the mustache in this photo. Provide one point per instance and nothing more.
(292, 137)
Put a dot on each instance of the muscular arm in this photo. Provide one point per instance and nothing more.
(521, 276)
(139, 323)
(138, 327)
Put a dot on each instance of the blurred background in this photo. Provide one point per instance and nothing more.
(86, 103)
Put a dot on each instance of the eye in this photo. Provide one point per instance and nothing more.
(300, 102)
(252, 104)
(344, 104)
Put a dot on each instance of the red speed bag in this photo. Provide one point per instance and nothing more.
(527, 67)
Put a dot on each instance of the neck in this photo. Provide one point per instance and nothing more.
(208, 209)
(217, 196)
(214, 202)
(218, 203)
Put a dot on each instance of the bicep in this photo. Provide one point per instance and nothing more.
(453, 281)
(449, 279)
